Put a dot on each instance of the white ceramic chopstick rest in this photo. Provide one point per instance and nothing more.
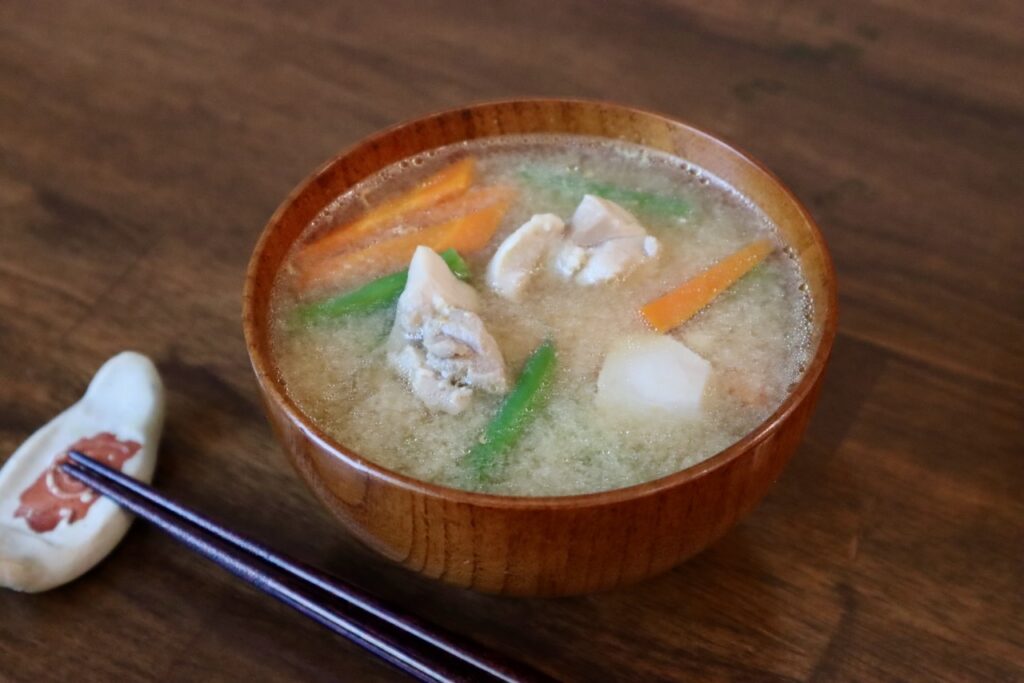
(52, 528)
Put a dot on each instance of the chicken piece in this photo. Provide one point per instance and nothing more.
(652, 376)
(431, 287)
(436, 392)
(605, 242)
(597, 220)
(438, 341)
(616, 258)
(516, 259)
(570, 259)
(460, 349)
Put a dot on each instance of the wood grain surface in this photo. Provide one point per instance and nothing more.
(144, 145)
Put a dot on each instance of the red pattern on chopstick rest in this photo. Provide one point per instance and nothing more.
(55, 495)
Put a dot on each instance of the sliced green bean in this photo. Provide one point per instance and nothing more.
(515, 413)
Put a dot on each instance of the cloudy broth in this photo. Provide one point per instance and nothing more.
(756, 334)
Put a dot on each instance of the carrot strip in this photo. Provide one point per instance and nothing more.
(449, 182)
(464, 233)
(676, 307)
(476, 229)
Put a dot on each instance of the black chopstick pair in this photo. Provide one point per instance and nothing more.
(423, 650)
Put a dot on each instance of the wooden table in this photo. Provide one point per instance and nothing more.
(142, 148)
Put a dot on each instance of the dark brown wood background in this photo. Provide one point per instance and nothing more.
(143, 146)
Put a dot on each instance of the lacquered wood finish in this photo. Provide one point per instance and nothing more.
(556, 545)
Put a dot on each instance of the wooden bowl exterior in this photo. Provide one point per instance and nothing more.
(556, 545)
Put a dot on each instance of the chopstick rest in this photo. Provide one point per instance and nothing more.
(53, 528)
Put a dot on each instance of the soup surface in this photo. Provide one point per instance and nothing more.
(755, 334)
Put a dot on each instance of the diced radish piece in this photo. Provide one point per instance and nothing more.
(652, 375)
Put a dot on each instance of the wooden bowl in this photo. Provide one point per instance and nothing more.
(552, 545)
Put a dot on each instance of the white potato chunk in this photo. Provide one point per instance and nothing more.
(652, 376)
(516, 259)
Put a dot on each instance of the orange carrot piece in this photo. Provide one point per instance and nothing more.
(474, 230)
(676, 307)
(464, 233)
(449, 182)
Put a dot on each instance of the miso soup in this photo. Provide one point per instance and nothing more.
(540, 315)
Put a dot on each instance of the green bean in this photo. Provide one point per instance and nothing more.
(574, 186)
(515, 413)
(374, 295)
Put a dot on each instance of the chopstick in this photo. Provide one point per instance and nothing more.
(421, 649)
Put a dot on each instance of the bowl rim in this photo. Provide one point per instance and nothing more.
(271, 384)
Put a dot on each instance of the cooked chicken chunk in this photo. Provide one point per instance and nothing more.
(615, 258)
(438, 341)
(517, 258)
(605, 242)
(597, 220)
(570, 259)
(431, 287)
(460, 348)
